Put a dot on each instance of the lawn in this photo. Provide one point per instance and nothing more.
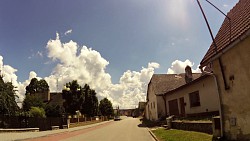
(72, 125)
(180, 135)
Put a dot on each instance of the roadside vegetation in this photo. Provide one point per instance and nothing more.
(180, 135)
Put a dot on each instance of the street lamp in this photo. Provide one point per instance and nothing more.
(66, 88)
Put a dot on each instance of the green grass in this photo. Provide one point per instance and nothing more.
(180, 135)
(72, 125)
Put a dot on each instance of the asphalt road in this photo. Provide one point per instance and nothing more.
(128, 129)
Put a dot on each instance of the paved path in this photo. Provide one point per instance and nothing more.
(124, 130)
(12, 136)
(127, 129)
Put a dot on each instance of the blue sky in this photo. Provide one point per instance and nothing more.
(127, 33)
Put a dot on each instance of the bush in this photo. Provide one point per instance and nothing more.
(37, 112)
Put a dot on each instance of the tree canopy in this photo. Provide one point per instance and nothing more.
(37, 112)
(90, 105)
(36, 86)
(78, 98)
(74, 97)
(8, 105)
(31, 100)
(106, 107)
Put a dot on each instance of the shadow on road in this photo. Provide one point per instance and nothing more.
(147, 123)
(142, 125)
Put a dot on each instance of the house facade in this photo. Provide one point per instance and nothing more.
(196, 98)
(228, 59)
(157, 87)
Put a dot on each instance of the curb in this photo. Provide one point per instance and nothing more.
(62, 132)
(152, 134)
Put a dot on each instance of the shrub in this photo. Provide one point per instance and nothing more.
(37, 112)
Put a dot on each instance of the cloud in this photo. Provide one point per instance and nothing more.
(178, 67)
(87, 66)
(9, 75)
(68, 32)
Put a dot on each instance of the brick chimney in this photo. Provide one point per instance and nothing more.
(188, 74)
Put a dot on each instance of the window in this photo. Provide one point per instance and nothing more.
(194, 98)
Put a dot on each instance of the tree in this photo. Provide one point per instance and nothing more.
(90, 105)
(78, 98)
(36, 86)
(32, 101)
(8, 105)
(53, 111)
(37, 112)
(106, 107)
(74, 97)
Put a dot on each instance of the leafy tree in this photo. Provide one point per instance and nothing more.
(36, 86)
(42, 86)
(37, 112)
(32, 101)
(78, 98)
(90, 105)
(8, 104)
(106, 107)
(53, 111)
(74, 97)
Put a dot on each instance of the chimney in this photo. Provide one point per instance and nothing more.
(188, 74)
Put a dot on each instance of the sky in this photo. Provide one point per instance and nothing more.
(115, 46)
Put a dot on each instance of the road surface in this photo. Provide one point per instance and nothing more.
(128, 129)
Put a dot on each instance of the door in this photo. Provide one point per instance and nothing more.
(173, 107)
(182, 106)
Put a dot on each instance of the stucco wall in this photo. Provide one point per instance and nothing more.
(236, 100)
(151, 110)
(160, 107)
(208, 96)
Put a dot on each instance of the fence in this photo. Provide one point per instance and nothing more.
(41, 123)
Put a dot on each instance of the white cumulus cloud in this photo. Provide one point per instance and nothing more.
(178, 67)
(9, 75)
(87, 66)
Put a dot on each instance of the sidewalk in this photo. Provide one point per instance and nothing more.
(14, 136)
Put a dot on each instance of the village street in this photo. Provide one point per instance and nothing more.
(125, 130)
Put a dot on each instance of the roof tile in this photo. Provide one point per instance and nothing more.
(240, 23)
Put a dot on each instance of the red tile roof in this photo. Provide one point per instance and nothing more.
(240, 23)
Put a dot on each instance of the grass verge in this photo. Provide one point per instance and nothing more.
(180, 135)
(83, 123)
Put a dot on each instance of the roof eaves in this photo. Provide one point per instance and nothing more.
(204, 62)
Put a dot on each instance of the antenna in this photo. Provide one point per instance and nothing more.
(56, 85)
(230, 24)
(1, 71)
(210, 31)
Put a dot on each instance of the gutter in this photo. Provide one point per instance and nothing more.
(220, 101)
